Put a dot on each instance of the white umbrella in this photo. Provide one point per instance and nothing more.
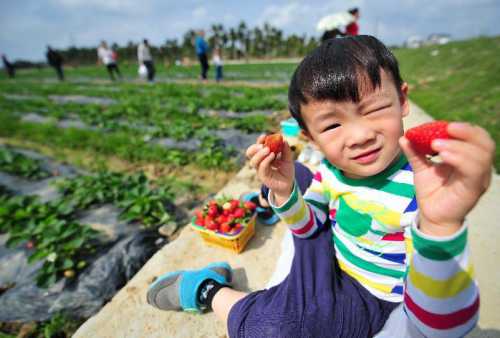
(333, 21)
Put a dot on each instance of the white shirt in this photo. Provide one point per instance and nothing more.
(106, 55)
(216, 59)
(143, 53)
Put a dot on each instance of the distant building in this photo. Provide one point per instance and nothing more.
(438, 39)
(414, 41)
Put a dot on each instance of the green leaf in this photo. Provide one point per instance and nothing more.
(37, 255)
(67, 264)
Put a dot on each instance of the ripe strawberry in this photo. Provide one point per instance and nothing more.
(239, 213)
(198, 213)
(212, 226)
(30, 244)
(213, 211)
(422, 136)
(250, 205)
(225, 227)
(199, 221)
(208, 219)
(274, 142)
(234, 204)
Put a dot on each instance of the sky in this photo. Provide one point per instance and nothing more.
(27, 26)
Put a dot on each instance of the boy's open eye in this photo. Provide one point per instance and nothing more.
(332, 126)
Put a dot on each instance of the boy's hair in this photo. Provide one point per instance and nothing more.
(337, 70)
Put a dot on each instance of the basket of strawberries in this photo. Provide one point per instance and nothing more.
(226, 222)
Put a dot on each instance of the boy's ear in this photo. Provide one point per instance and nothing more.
(403, 99)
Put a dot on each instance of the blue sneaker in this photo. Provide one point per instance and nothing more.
(178, 290)
(265, 215)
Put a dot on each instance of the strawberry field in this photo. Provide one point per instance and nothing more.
(95, 177)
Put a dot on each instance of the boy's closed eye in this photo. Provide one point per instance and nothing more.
(376, 109)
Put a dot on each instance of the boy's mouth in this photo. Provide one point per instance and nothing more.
(368, 156)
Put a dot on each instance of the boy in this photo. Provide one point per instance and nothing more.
(393, 270)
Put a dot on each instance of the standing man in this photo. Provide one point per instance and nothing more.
(9, 67)
(353, 28)
(145, 58)
(54, 59)
(201, 48)
(105, 55)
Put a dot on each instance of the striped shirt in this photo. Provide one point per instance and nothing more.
(375, 237)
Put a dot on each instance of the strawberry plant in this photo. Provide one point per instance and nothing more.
(140, 202)
(50, 236)
(20, 165)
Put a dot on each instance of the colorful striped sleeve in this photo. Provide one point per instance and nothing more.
(441, 296)
(304, 215)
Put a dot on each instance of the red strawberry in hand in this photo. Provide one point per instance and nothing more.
(422, 136)
(275, 143)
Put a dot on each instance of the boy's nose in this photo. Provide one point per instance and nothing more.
(358, 135)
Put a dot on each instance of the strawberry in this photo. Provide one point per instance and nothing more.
(208, 219)
(422, 136)
(199, 221)
(212, 226)
(226, 206)
(213, 210)
(30, 244)
(198, 213)
(225, 227)
(234, 204)
(250, 205)
(239, 213)
(275, 143)
(69, 273)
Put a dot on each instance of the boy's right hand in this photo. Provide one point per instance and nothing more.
(275, 172)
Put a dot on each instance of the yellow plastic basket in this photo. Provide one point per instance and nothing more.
(235, 243)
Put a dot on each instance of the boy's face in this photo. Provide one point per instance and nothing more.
(361, 139)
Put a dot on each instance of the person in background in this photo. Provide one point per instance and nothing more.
(217, 60)
(9, 67)
(55, 59)
(201, 48)
(331, 34)
(106, 57)
(144, 57)
(352, 29)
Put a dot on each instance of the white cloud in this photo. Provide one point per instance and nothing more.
(109, 5)
(200, 12)
(283, 16)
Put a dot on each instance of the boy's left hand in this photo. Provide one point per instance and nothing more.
(446, 192)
